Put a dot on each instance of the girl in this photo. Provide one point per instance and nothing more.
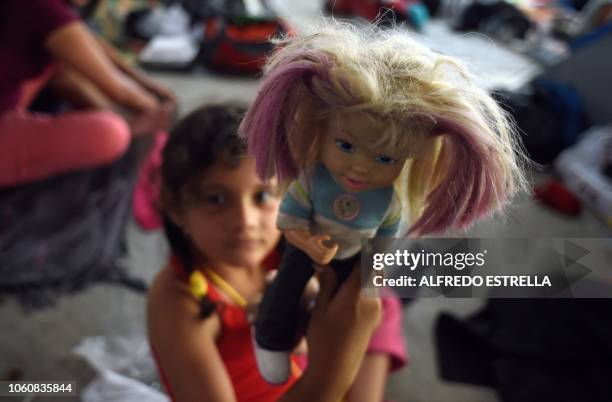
(365, 126)
(220, 220)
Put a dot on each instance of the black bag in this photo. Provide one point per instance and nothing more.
(531, 350)
(550, 117)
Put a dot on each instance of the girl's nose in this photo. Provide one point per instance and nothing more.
(244, 216)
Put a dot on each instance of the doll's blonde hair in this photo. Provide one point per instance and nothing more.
(465, 160)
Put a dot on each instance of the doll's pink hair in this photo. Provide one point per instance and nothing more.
(475, 181)
(266, 122)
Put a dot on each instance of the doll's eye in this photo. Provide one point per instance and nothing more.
(385, 160)
(345, 146)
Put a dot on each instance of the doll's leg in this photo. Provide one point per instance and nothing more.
(343, 268)
(278, 318)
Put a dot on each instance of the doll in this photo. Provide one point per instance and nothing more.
(366, 127)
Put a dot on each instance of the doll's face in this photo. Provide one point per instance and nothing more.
(351, 153)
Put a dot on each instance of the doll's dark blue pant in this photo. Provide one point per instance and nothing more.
(278, 320)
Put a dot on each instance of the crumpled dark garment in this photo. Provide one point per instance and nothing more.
(500, 19)
(62, 234)
(532, 350)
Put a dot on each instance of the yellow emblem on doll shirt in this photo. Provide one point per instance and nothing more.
(346, 207)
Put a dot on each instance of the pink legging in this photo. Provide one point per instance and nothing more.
(35, 146)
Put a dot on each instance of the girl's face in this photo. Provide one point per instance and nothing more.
(351, 153)
(229, 214)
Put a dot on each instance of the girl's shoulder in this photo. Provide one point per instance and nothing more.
(184, 346)
(171, 301)
(167, 286)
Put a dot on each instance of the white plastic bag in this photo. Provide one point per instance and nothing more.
(581, 168)
(110, 386)
(126, 370)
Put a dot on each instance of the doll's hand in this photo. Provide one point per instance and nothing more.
(318, 251)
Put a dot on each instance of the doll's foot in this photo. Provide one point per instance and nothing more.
(274, 366)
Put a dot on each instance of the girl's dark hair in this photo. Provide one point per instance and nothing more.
(204, 137)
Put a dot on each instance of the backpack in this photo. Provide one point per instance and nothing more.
(239, 45)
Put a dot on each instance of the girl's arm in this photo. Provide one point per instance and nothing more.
(370, 383)
(184, 344)
(338, 334)
(75, 46)
(340, 328)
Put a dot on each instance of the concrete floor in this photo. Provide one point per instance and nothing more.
(40, 343)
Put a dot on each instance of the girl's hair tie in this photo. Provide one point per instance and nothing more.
(198, 284)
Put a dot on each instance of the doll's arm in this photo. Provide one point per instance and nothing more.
(294, 219)
(312, 245)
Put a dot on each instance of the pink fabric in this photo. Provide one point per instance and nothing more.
(145, 203)
(389, 337)
(31, 88)
(36, 146)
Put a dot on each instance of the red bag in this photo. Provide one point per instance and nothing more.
(238, 46)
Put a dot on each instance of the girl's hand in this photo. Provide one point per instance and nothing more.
(318, 251)
(338, 333)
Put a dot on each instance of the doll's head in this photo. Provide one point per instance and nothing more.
(216, 209)
(412, 109)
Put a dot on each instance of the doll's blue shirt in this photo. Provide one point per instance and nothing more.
(316, 202)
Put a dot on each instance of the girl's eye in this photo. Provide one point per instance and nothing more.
(263, 197)
(344, 146)
(385, 160)
(214, 199)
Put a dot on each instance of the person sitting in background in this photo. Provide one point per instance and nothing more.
(45, 39)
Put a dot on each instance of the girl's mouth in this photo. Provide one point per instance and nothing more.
(246, 244)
